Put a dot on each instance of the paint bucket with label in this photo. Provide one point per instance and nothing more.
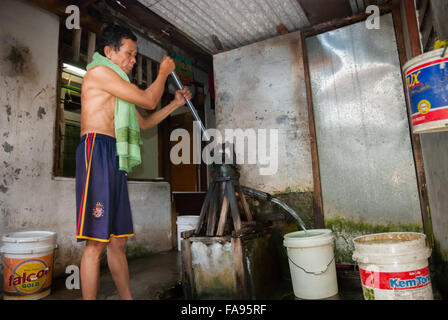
(311, 263)
(394, 266)
(27, 264)
(427, 88)
(185, 223)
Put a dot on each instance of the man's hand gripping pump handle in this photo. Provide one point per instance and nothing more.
(191, 106)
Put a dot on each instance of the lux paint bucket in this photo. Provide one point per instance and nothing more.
(311, 263)
(427, 88)
(394, 266)
(28, 264)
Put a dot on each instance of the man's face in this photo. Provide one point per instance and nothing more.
(125, 57)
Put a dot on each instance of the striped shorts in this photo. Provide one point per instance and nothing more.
(102, 201)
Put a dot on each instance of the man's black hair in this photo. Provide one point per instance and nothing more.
(112, 36)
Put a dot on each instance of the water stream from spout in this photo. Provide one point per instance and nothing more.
(268, 197)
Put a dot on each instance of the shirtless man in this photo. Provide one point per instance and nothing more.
(103, 211)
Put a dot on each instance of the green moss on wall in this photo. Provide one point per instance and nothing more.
(211, 285)
(134, 250)
(282, 221)
(346, 229)
(439, 270)
(261, 264)
(215, 278)
(212, 270)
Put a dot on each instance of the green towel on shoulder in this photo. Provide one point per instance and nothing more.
(127, 129)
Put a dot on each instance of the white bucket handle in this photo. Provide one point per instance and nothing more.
(312, 272)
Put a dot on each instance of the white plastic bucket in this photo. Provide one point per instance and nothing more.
(185, 223)
(28, 264)
(311, 263)
(394, 266)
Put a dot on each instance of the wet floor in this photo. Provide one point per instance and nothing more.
(158, 277)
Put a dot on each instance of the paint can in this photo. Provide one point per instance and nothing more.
(394, 266)
(28, 264)
(185, 223)
(311, 263)
(427, 89)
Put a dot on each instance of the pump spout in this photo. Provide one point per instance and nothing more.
(266, 196)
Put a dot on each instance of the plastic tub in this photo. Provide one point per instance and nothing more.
(28, 264)
(311, 263)
(394, 266)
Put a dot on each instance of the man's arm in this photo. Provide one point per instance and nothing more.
(158, 116)
(108, 80)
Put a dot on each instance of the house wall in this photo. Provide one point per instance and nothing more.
(261, 86)
(30, 197)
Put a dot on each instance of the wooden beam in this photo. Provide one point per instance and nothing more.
(318, 12)
(282, 30)
(83, 4)
(244, 203)
(318, 212)
(426, 29)
(233, 206)
(148, 72)
(370, 2)
(205, 208)
(91, 46)
(440, 14)
(211, 224)
(187, 270)
(339, 23)
(139, 69)
(422, 8)
(223, 216)
(58, 139)
(414, 37)
(217, 42)
(76, 44)
(240, 272)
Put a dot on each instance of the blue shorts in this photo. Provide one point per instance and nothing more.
(102, 200)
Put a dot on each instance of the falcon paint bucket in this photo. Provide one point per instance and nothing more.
(394, 266)
(28, 264)
(427, 88)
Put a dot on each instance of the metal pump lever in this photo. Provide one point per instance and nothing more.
(191, 106)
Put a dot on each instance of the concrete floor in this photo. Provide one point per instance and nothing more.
(158, 277)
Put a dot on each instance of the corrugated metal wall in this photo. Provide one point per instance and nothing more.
(366, 163)
(235, 22)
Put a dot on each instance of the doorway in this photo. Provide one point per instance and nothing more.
(188, 181)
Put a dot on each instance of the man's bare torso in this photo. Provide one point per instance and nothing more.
(97, 109)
